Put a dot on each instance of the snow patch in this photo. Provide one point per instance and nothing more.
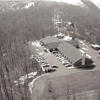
(32, 56)
(36, 43)
(4, 54)
(22, 79)
(32, 83)
(29, 5)
(96, 2)
(41, 53)
(72, 2)
(67, 38)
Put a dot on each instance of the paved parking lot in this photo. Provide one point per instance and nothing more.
(52, 60)
(62, 70)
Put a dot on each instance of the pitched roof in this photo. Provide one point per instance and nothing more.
(50, 39)
(69, 51)
(73, 42)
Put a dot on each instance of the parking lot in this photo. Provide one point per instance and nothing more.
(61, 59)
(48, 59)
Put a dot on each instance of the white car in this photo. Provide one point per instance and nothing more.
(55, 52)
(45, 49)
(99, 52)
(62, 59)
(64, 63)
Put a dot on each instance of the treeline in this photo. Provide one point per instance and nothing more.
(17, 28)
(86, 21)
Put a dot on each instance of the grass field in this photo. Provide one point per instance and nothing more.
(77, 83)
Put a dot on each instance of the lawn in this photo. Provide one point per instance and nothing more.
(72, 84)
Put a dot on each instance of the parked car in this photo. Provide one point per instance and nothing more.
(45, 49)
(37, 59)
(54, 66)
(98, 56)
(62, 59)
(55, 52)
(65, 63)
(41, 43)
(45, 65)
(99, 52)
(68, 65)
(95, 46)
(59, 58)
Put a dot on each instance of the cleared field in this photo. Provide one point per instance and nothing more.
(73, 84)
(82, 86)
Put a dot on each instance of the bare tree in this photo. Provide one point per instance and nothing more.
(4, 84)
(1, 94)
(68, 92)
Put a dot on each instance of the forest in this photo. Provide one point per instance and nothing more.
(16, 30)
(19, 27)
(86, 21)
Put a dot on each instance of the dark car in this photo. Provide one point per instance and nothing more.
(98, 56)
(54, 66)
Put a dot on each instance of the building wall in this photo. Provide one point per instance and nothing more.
(87, 63)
